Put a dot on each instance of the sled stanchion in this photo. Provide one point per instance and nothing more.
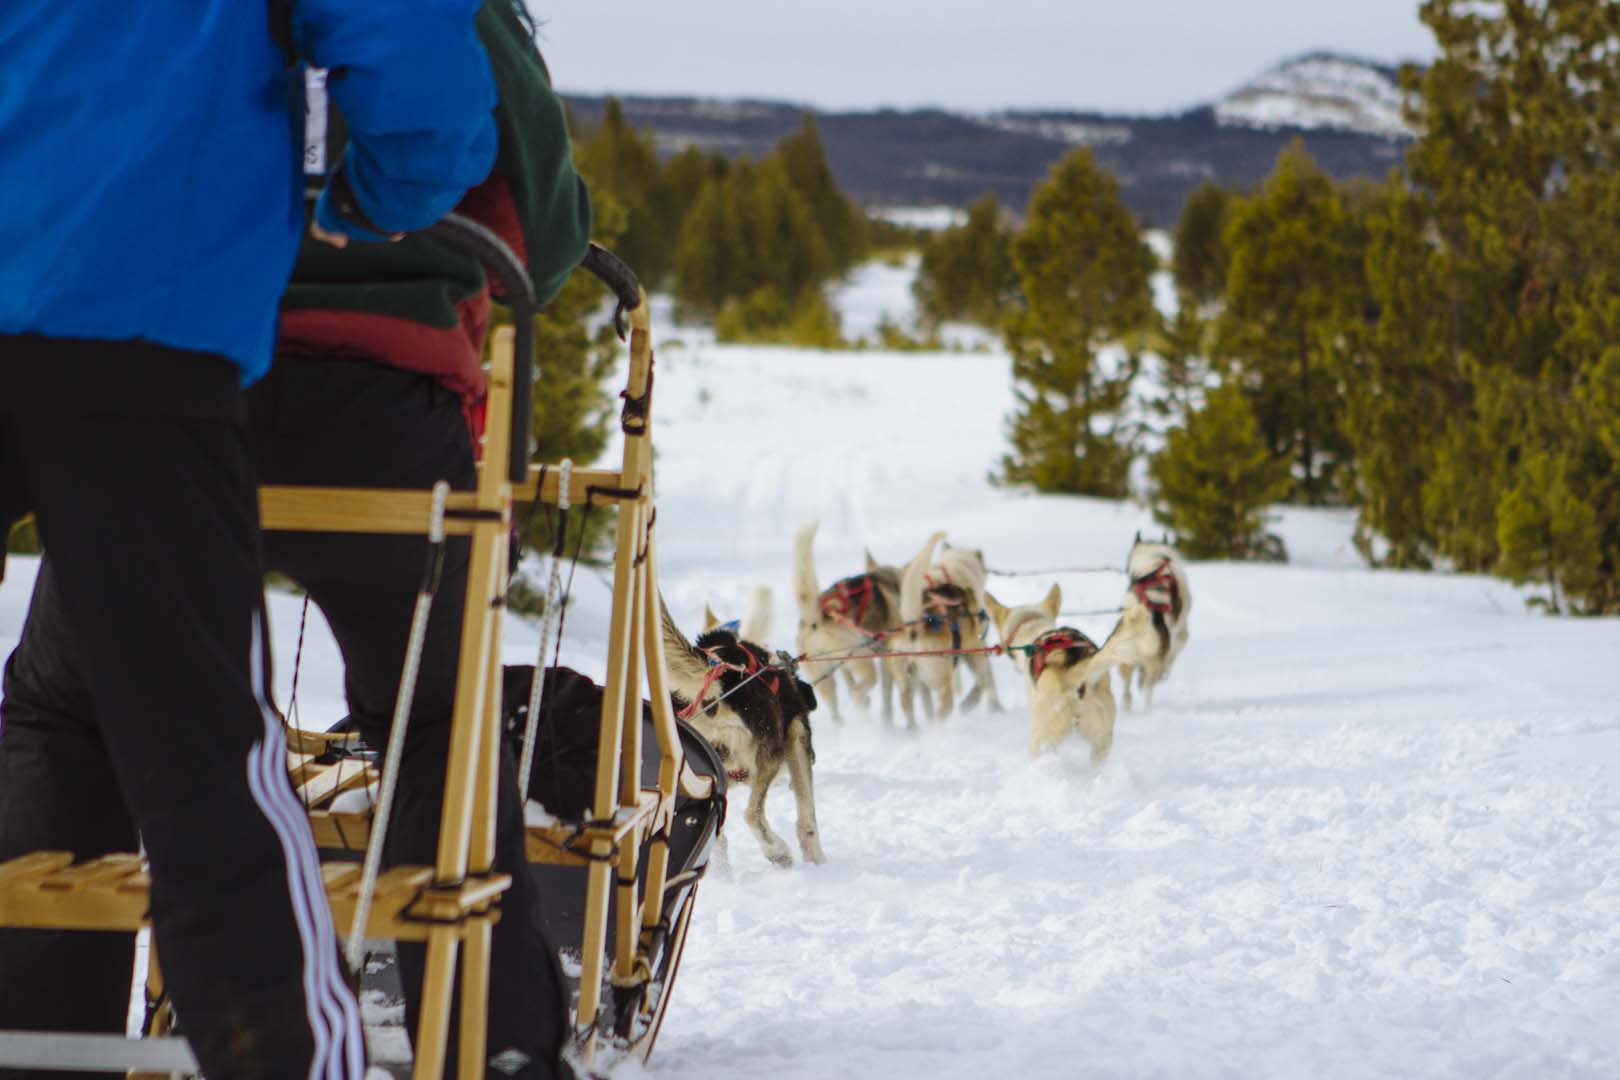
(355, 952)
(617, 782)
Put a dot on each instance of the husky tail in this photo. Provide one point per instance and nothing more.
(687, 666)
(806, 593)
(911, 581)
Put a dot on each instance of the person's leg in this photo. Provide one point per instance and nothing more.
(333, 422)
(152, 528)
(58, 792)
(13, 498)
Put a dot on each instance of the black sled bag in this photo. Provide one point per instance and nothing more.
(563, 780)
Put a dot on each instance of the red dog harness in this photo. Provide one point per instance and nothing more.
(846, 603)
(1160, 578)
(717, 668)
(1062, 638)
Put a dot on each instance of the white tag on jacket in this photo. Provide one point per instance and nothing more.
(315, 106)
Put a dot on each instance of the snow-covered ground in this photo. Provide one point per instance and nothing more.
(1371, 826)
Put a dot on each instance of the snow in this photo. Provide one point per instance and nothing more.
(932, 218)
(1319, 91)
(1370, 828)
(1068, 132)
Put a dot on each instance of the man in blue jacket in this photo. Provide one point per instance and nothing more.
(152, 194)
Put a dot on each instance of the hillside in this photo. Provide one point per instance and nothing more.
(1346, 111)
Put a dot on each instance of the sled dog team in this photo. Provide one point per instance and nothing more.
(910, 628)
(906, 631)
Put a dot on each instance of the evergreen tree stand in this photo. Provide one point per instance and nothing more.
(452, 905)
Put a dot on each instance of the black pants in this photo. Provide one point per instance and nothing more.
(138, 703)
(337, 422)
(343, 423)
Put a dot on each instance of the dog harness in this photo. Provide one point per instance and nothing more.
(847, 603)
(718, 667)
(1062, 638)
(1162, 579)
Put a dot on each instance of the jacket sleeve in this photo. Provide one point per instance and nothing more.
(415, 88)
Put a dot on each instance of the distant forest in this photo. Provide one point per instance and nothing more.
(1436, 345)
(891, 158)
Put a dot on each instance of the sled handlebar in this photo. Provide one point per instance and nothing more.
(503, 264)
(500, 261)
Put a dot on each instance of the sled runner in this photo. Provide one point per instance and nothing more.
(625, 869)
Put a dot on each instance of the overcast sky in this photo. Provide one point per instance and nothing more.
(1122, 56)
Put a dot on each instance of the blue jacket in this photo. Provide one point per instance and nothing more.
(150, 181)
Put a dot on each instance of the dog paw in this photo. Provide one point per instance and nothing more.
(783, 858)
(812, 852)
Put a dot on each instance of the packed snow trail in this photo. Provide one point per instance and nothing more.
(1371, 827)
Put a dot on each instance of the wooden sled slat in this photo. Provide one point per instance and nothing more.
(44, 891)
(563, 844)
(380, 511)
(107, 870)
(34, 864)
(301, 741)
(316, 784)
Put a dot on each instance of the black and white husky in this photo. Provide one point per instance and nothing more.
(1153, 616)
(755, 710)
(853, 616)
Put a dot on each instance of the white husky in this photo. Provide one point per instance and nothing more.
(1066, 673)
(942, 610)
(852, 616)
(1153, 620)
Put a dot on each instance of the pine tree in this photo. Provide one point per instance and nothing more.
(966, 272)
(1402, 389)
(708, 254)
(1200, 257)
(1547, 532)
(840, 224)
(750, 234)
(620, 162)
(1215, 477)
(1183, 350)
(1084, 273)
(684, 177)
(1295, 270)
(1515, 179)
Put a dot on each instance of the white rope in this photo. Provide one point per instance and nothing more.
(548, 621)
(355, 949)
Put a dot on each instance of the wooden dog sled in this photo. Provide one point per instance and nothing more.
(632, 921)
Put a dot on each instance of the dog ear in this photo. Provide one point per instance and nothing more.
(1053, 602)
(997, 611)
(872, 565)
(710, 619)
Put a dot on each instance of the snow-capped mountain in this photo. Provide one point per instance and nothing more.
(1348, 111)
(1319, 91)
